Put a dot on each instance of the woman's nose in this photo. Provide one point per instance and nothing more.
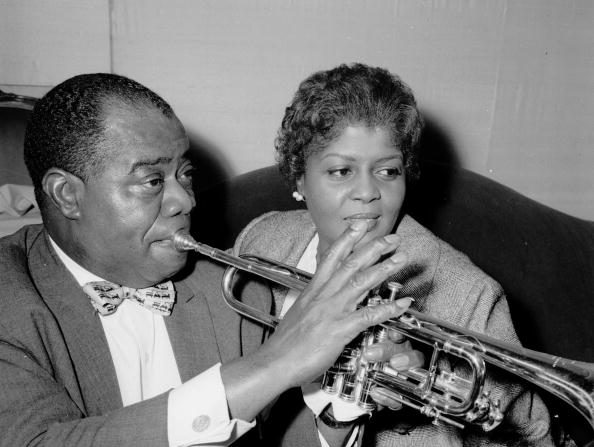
(365, 188)
(178, 199)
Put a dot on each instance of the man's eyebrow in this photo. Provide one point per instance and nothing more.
(149, 162)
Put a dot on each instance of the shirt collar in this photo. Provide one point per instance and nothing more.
(308, 262)
(81, 274)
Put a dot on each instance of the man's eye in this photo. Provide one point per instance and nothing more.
(154, 182)
(186, 177)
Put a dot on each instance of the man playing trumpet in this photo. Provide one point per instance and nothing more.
(110, 335)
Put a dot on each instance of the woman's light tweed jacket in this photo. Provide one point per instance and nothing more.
(445, 284)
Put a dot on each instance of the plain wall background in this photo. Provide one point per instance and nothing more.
(507, 87)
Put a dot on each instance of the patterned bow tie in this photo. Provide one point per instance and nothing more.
(106, 296)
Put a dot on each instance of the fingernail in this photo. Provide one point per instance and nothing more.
(376, 395)
(391, 238)
(399, 361)
(373, 352)
(404, 303)
(398, 258)
(359, 225)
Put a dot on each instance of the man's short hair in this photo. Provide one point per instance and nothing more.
(66, 127)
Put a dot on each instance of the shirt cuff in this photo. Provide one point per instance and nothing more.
(198, 414)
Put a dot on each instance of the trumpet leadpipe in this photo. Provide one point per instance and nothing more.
(274, 271)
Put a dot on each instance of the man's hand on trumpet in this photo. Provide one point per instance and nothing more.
(322, 321)
(326, 316)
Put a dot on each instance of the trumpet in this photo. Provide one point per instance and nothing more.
(436, 393)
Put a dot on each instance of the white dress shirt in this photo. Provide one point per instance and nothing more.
(314, 397)
(145, 367)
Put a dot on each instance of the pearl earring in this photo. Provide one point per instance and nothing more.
(298, 196)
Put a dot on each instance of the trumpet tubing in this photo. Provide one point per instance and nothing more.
(438, 394)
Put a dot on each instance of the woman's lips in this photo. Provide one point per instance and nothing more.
(371, 219)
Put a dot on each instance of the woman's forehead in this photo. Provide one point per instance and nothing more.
(359, 139)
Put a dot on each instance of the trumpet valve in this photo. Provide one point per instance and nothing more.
(348, 392)
(486, 412)
(364, 400)
(394, 288)
(335, 379)
(331, 381)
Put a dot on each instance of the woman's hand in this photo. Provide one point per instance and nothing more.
(398, 351)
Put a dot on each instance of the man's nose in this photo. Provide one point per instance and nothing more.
(178, 199)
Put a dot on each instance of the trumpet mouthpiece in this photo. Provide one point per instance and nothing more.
(182, 241)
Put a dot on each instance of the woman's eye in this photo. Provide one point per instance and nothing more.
(339, 173)
(389, 172)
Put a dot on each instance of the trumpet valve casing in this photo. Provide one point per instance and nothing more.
(348, 377)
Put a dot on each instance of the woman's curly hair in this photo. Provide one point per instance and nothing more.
(328, 101)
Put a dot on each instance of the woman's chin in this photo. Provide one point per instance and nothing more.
(376, 232)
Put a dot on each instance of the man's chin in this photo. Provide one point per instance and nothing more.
(169, 263)
(176, 260)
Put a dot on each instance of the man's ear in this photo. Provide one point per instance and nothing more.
(65, 191)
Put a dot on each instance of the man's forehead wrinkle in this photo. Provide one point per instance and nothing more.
(122, 111)
(117, 125)
(121, 124)
(135, 126)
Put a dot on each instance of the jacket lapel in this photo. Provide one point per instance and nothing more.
(203, 330)
(191, 332)
(81, 328)
(280, 236)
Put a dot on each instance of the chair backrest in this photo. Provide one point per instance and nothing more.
(544, 259)
(14, 114)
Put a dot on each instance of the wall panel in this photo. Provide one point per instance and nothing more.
(506, 85)
(42, 43)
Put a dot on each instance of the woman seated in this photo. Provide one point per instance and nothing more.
(348, 147)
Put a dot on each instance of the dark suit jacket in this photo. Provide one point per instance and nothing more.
(58, 385)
